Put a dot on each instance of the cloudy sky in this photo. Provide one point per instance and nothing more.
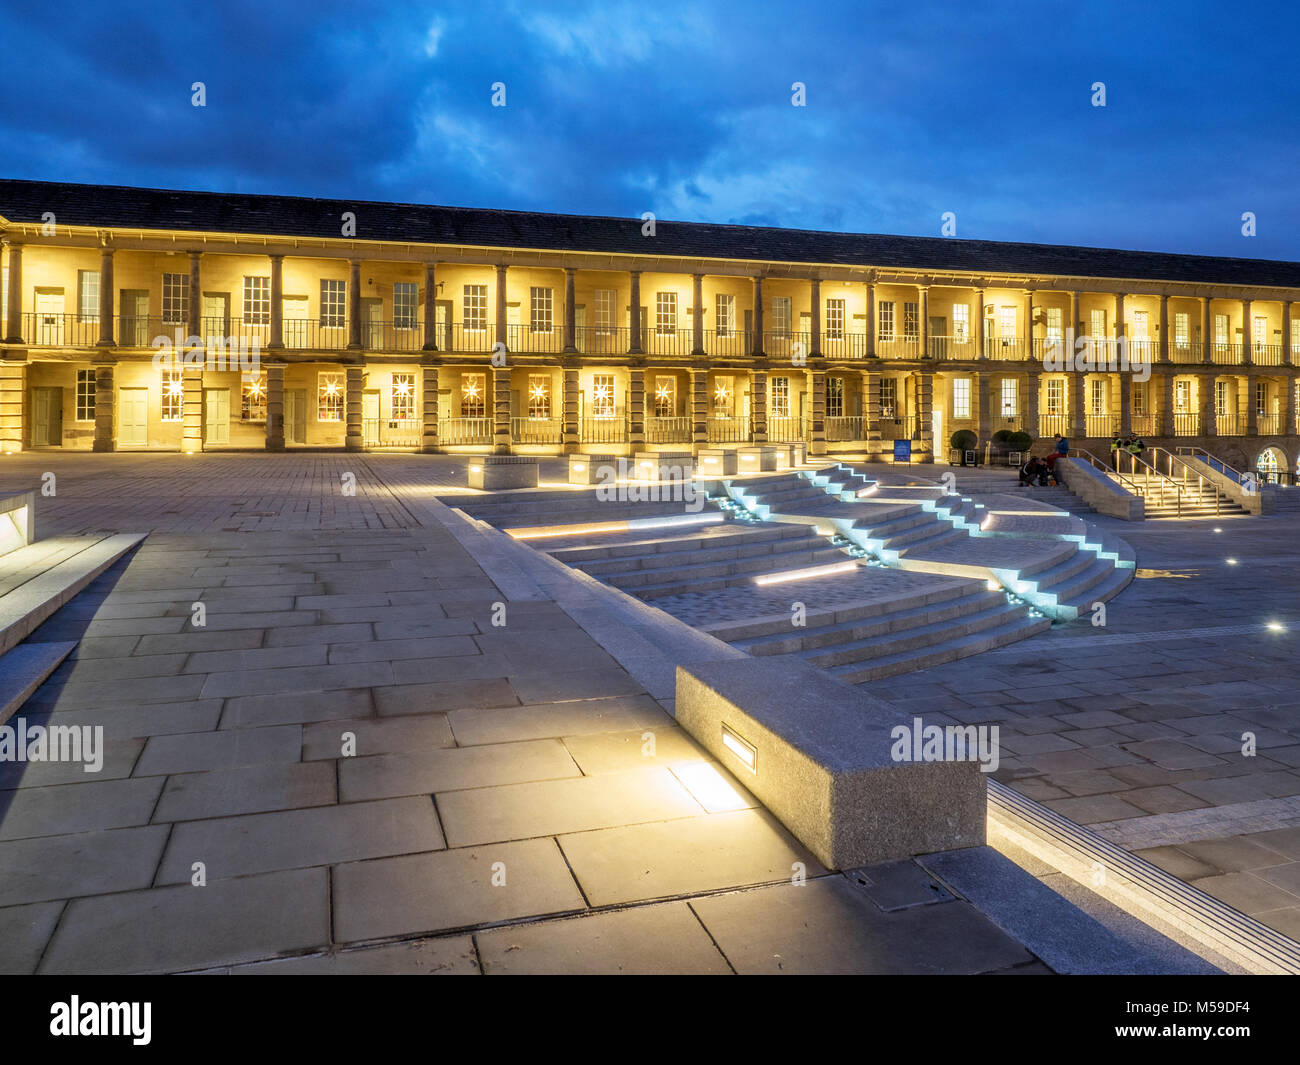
(980, 109)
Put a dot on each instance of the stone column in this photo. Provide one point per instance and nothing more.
(1247, 340)
(570, 311)
(815, 341)
(429, 411)
(1252, 408)
(1164, 329)
(924, 404)
(983, 407)
(1121, 330)
(1207, 330)
(1205, 404)
(105, 405)
(430, 307)
(1166, 422)
(699, 409)
(1027, 331)
(1288, 427)
(634, 346)
(13, 394)
(1286, 332)
(276, 334)
(923, 313)
(871, 410)
(192, 408)
(193, 319)
(502, 312)
(106, 304)
(697, 323)
(1032, 386)
(1077, 424)
(275, 406)
(500, 411)
(354, 305)
(871, 320)
(14, 314)
(817, 409)
(1125, 405)
(636, 406)
(353, 439)
(757, 346)
(981, 350)
(758, 406)
(569, 430)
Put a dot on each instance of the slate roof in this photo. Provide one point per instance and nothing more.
(122, 207)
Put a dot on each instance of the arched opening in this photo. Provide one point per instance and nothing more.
(1271, 465)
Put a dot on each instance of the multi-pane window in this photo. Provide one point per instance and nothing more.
(961, 397)
(724, 396)
(1055, 396)
(1006, 323)
(1260, 335)
(665, 313)
(886, 315)
(780, 406)
(1141, 325)
(333, 303)
(961, 322)
(539, 397)
(1221, 330)
(911, 321)
(1261, 397)
(1182, 396)
(403, 396)
(330, 393)
(473, 308)
(781, 316)
(1220, 397)
(888, 397)
(175, 298)
(1295, 334)
(1182, 329)
(725, 322)
(257, 300)
(1097, 323)
(1097, 397)
(1055, 324)
(604, 323)
(602, 395)
(173, 396)
(541, 315)
(834, 319)
(1139, 398)
(1010, 398)
(85, 395)
(473, 394)
(406, 297)
(252, 397)
(665, 397)
(88, 295)
(835, 397)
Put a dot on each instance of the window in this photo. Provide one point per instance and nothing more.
(665, 397)
(473, 311)
(1295, 334)
(1220, 398)
(888, 397)
(1141, 325)
(780, 397)
(330, 392)
(1139, 399)
(1221, 330)
(835, 397)
(252, 397)
(911, 321)
(602, 395)
(175, 298)
(886, 330)
(834, 319)
(1097, 323)
(604, 323)
(1097, 397)
(1010, 398)
(406, 296)
(781, 316)
(88, 295)
(961, 322)
(1055, 396)
(665, 313)
(1006, 323)
(1260, 335)
(173, 396)
(333, 304)
(539, 397)
(473, 391)
(724, 396)
(541, 317)
(1182, 396)
(961, 397)
(1182, 329)
(1055, 324)
(257, 300)
(85, 395)
(403, 396)
(726, 314)
(1261, 397)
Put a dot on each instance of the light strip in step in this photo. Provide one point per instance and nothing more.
(804, 574)
(541, 532)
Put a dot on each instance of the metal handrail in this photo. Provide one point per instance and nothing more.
(1201, 480)
(1164, 481)
(1215, 461)
(1101, 467)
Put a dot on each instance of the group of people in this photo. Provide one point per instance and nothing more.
(1042, 471)
(1131, 443)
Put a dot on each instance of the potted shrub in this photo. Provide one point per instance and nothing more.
(963, 444)
(1018, 445)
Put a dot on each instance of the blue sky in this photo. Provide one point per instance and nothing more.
(982, 109)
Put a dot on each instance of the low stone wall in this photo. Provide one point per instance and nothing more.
(1100, 492)
(493, 473)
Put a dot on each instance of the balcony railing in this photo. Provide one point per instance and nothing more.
(1184, 353)
(1266, 354)
(1225, 354)
(729, 342)
(1268, 424)
(593, 340)
(724, 430)
(660, 340)
(780, 344)
(1187, 423)
(457, 336)
(1051, 424)
(1145, 424)
(904, 427)
(898, 348)
(391, 336)
(465, 431)
(536, 430)
(668, 430)
(525, 338)
(611, 430)
(1100, 426)
(312, 335)
(1229, 424)
(1006, 349)
(391, 432)
(845, 427)
(956, 348)
(784, 430)
(60, 330)
(844, 345)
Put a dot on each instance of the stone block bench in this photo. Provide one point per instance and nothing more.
(586, 469)
(819, 755)
(492, 473)
(716, 462)
(663, 466)
(17, 520)
(756, 459)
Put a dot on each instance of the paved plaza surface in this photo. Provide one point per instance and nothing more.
(372, 775)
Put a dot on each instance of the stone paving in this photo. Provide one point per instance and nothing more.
(365, 773)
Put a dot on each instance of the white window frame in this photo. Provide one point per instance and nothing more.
(85, 395)
(175, 298)
(961, 398)
(666, 313)
(257, 300)
(406, 305)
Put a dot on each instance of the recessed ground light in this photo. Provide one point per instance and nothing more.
(993, 585)
(1275, 626)
(1218, 530)
(1231, 561)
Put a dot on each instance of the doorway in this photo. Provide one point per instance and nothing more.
(295, 416)
(216, 416)
(133, 417)
(47, 417)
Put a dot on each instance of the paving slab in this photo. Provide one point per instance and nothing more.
(448, 770)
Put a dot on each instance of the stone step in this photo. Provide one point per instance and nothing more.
(693, 555)
(643, 583)
(1103, 591)
(670, 541)
(25, 668)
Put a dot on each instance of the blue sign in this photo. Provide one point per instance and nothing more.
(902, 451)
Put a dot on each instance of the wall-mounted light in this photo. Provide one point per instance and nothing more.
(740, 747)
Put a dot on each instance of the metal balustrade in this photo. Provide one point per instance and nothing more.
(728, 430)
(664, 341)
(844, 345)
(729, 342)
(1051, 424)
(898, 348)
(1225, 354)
(60, 330)
(1268, 424)
(1101, 426)
(1184, 353)
(1154, 484)
(1266, 354)
(1229, 424)
(953, 348)
(1187, 423)
(611, 430)
(784, 430)
(593, 340)
(536, 430)
(391, 432)
(465, 431)
(668, 430)
(841, 428)
(905, 427)
(1145, 424)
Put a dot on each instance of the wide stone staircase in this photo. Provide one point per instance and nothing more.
(1164, 497)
